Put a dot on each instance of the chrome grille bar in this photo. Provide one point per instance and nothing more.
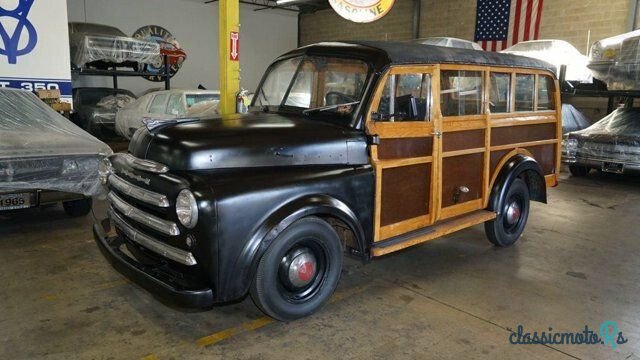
(152, 244)
(163, 226)
(145, 165)
(137, 192)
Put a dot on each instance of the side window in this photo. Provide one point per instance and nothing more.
(546, 93)
(174, 106)
(406, 97)
(500, 93)
(157, 104)
(461, 92)
(524, 92)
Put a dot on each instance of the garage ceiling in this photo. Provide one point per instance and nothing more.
(302, 6)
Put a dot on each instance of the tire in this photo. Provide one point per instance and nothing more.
(77, 208)
(578, 170)
(286, 292)
(506, 229)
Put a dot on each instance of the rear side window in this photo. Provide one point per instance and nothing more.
(546, 93)
(524, 92)
(174, 107)
(500, 93)
(157, 104)
(461, 92)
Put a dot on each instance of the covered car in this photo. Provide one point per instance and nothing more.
(558, 53)
(166, 105)
(95, 109)
(611, 144)
(616, 61)
(573, 119)
(450, 42)
(44, 158)
(104, 46)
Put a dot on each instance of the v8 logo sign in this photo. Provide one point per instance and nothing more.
(17, 34)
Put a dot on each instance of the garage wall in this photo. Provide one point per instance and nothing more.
(568, 20)
(264, 36)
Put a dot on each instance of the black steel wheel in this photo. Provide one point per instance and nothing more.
(578, 170)
(511, 220)
(77, 208)
(299, 271)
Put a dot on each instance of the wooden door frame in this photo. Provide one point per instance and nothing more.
(395, 130)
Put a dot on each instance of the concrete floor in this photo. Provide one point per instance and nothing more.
(455, 298)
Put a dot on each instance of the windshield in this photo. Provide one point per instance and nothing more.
(314, 83)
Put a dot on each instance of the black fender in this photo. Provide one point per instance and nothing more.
(318, 205)
(519, 166)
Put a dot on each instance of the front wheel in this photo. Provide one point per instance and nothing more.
(512, 217)
(299, 271)
(579, 170)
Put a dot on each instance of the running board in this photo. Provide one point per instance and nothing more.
(431, 232)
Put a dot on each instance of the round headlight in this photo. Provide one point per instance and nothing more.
(187, 209)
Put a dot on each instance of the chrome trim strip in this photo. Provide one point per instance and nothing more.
(137, 192)
(145, 165)
(152, 244)
(163, 226)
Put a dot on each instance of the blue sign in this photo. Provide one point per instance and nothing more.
(10, 45)
(64, 86)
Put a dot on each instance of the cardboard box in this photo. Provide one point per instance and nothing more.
(61, 106)
(48, 94)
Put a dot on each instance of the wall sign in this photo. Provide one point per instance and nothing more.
(168, 46)
(34, 46)
(362, 11)
(234, 46)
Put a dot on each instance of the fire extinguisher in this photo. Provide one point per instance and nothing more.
(242, 101)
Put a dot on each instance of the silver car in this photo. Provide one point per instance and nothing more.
(166, 105)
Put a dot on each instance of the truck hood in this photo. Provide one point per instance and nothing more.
(249, 141)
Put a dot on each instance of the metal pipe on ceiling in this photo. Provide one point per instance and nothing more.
(417, 4)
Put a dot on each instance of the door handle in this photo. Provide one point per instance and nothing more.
(437, 134)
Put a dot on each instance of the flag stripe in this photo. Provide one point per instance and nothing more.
(527, 25)
(516, 26)
(538, 19)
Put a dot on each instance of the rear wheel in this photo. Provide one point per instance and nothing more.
(578, 170)
(511, 220)
(299, 271)
(77, 208)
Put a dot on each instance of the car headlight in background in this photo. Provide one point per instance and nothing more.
(187, 209)
(104, 170)
(570, 147)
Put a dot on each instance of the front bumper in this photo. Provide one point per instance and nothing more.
(147, 276)
(597, 163)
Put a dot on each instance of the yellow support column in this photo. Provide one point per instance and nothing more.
(229, 54)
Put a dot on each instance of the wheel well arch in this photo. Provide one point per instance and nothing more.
(517, 164)
(330, 209)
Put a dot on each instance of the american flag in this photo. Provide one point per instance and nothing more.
(502, 23)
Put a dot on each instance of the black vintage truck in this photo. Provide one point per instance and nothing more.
(364, 148)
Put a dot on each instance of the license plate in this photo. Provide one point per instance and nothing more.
(613, 167)
(16, 201)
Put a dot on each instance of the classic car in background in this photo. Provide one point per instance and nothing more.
(558, 53)
(450, 42)
(95, 108)
(611, 145)
(616, 61)
(44, 158)
(166, 105)
(104, 46)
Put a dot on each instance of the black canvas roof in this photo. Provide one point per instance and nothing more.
(397, 53)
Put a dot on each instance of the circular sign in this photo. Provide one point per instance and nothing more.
(169, 47)
(362, 11)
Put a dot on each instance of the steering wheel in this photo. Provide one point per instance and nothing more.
(335, 98)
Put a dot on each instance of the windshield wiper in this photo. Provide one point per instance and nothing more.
(328, 107)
